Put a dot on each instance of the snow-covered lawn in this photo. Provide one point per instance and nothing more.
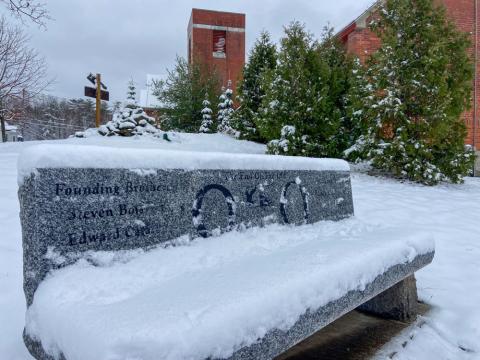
(451, 284)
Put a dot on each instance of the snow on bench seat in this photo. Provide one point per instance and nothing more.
(219, 297)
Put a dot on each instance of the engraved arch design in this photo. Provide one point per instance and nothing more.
(283, 202)
(197, 208)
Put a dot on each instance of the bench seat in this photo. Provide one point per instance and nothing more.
(242, 295)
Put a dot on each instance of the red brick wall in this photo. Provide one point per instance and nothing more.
(476, 56)
(201, 51)
(463, 13)
(361, 41)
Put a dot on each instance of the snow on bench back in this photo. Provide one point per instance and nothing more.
(76, 199)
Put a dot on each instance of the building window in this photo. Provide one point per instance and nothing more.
(219, 44)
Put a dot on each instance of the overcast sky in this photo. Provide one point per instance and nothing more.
(125, 39)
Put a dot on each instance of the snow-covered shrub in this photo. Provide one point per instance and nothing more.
(262, 58)
(420, 83)
(78, 134)
(130, 120)
(285, 144)
(207, 121)
(306, 90)
(290, 143)
(225, 111)
(91, 132)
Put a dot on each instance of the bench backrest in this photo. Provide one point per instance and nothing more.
(77, 199)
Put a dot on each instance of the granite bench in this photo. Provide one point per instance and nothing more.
(267, 247)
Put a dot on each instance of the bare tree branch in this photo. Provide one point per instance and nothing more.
(28, 10)
(23, 71)
(21, 67)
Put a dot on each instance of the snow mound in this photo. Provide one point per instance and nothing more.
(72, 156)
(213, 296)
(178, 141)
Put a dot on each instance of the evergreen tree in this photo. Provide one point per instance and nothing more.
(131, 93)
(207, 122)
(291, 92)
(131, 120)
(304, 104)
(421, 82)
(340, 80)
(182, 95)
(354, 126)
(225, 111)
(251, 91)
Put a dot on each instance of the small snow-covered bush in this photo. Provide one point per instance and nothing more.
(290, 143)
(130, 120)
(207, 122)
(225, 112)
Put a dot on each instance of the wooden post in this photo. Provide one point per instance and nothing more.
(2, 124)
(98, 108)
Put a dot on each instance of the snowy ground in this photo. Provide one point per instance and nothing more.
(451, 285)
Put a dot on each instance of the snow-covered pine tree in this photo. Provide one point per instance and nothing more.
(341, 76)
(354, 127)
(305, 92)
(225, 111)
(291, 94)
(183, 92)
(220, 106)
(262, 59)
(131, 92)
(130, 120)
(207, 121)
(421, 82)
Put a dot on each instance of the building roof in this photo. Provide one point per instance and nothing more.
(10, 127)
(359, 22)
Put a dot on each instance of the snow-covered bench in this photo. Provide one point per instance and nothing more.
(145, 283)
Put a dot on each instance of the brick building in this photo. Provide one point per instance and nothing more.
(217, 39)
(359, 40)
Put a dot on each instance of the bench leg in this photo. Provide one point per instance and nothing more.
(398, 303)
